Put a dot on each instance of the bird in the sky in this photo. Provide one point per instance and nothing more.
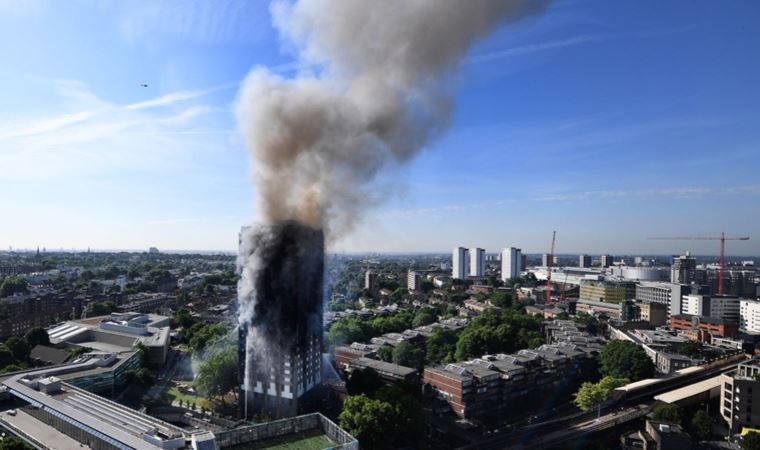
(144, 84)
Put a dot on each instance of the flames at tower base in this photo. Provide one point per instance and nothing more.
(280, 333)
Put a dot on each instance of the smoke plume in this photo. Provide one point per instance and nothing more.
(376, 91)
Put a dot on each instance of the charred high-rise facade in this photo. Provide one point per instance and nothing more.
(280, 334)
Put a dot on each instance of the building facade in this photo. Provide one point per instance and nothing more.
(413, 281)
(606, 261)
(683, 270)
(511, 263)
(477, 262)
(749, 315)
(584, 261)
(459, 263)
(607, 291)
(740, 396)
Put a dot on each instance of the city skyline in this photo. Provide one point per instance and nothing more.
(642, 132)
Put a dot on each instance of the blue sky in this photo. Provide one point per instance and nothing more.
(607, 121)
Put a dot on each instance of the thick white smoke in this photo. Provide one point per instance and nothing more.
(378, 93)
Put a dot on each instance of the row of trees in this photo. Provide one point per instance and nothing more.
(13, 285)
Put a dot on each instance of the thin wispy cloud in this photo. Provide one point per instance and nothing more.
(535, 48)
(178, 96)
(113, 137)
(694, 192)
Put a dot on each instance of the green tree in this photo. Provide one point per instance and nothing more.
(99, 309)
(751, 441)
(37, 336)
(592, 395)
(502, 331)
(385, 353)
(18, 347)
(13, 285)
(369, 420)
(624, 359)
(380, 421)
(6, 357)
(365, 381)
(143, 353)
(668, 413)
(501, 299)
(348, 330)
(183, 318)
(14, 443)
(406, 354)
(425, 316)
(218, 374)
(143, 377)
(441, 346)
(701, 427)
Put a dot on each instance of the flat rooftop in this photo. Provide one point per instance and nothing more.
(691, 390)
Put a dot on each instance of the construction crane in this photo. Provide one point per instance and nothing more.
(549, 263)
(722, 238)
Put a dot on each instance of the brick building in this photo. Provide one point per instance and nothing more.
(714, 326)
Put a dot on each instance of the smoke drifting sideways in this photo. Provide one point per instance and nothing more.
(376, 91)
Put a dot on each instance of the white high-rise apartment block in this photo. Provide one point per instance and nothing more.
(584, 261)
(477, 262)
(413, 281)
(511, 263)
(749, 312)
(606, 260)
(459, 263)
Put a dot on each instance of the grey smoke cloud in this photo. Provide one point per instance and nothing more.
(379, 93)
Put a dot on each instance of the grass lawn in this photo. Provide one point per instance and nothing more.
(309, 440)
(177, 395)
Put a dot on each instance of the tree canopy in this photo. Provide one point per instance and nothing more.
(19, 348)
(668, 413)
(502, 331)
(425, 316)
(409, 355)
(37, 336)
(592, 395)
(624, 359)
(441, 346)
(381, 420)
(218, 374)
(13, 285)
(701, 427)
(95, 309)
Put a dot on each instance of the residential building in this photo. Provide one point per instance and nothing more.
(683, 270)
(459, 263)
(740, 396)
(749, 312)
(511, 263)
(495, 385)
(638, 261)
(477, 262)
(413, 281)
(584, 261)
(606, 261)
(668, 294)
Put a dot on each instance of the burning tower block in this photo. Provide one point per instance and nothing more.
(280, 341)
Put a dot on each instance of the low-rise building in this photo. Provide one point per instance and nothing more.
(716, 327)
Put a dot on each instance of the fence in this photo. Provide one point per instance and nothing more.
(294, 425)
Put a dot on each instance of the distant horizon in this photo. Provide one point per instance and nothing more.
(357, 252)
